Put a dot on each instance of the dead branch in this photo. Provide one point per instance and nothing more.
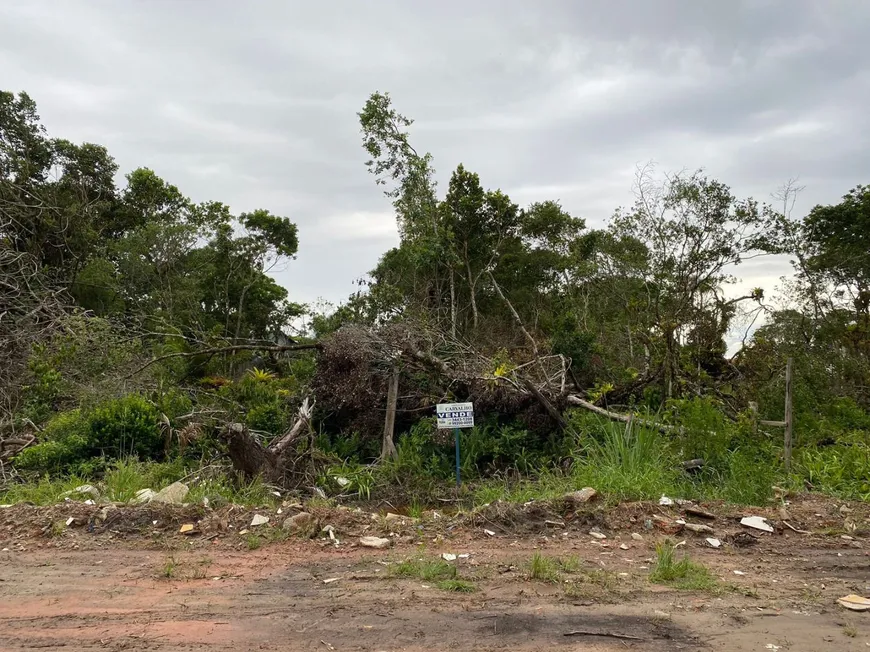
(226, 349)
(573, 399)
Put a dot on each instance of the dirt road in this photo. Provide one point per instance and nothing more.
(97, 592)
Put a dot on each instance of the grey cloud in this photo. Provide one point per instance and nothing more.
(255, 104)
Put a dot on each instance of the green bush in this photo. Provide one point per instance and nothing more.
(78, 441)
(126, 426)
(53, 456)
(267, 417)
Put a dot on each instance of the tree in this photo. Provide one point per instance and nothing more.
(694, 231)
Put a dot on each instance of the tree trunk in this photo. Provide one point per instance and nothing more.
(472, 283)
(251, 458)
(388, 447)
(452, 304)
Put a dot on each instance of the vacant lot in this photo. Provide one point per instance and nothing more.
(523, 587)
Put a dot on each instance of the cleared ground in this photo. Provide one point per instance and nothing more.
(147, 588)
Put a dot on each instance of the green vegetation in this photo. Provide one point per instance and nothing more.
(443, 573)
(680, 573)
(138, 325)
(543, 568)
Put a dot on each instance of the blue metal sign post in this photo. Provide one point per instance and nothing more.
(455, 416)
(458, 476)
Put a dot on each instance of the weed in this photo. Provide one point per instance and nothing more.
(56, 529)
(850, 630)
(425, 569)
(253, 541)
(545, 569)
(680, 574)
(415, 510)
(170, 566)
(458, 586)
(570, 564)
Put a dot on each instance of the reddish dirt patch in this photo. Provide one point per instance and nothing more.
(108, 590)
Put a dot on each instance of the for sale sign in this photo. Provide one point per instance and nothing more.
(455, 415)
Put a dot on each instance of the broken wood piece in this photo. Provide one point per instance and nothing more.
(700, 513)
(794, 529)
(624, 637)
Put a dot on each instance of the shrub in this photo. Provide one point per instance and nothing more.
(115, 429)
(126, 426)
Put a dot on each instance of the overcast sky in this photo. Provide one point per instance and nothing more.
(254, 104)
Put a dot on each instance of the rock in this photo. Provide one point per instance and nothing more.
(342, 482)
(375, 542)
(259, 520)
(174, 494)
(636, 536)
(664, 501)
(187, 528)
(624, 546)
(143, 496)
(84, 490)
(713, 543)
(407, 539)
(448, 556)
(302, 524)
(489, 533)
(392, 518)
(698, 528)
(585, 495)
(597, 535)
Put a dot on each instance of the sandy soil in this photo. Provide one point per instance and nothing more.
(114, 590)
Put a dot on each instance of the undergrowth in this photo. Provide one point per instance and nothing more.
(680, 573)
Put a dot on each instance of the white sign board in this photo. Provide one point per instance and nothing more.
(455, 415)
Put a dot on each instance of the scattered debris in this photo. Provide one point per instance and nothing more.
(743, 540)
(331, 580)
(554, 523)
(489, 533)
(583, 496)
(666, 525)
(342, 482)
(636, 536)
(624, 546)
(756, 523)
(187, 528)
(375, 542)
(700, 513)
(738, 572)
(846, 537)
(854, 602)
(794, 529)
(174, 494)
(448, 556)
(597, 535)
(664, 501)
(771, 646)
(699, 528)
(259, 520)
(713, 542)
(70, 521)
(681, 543)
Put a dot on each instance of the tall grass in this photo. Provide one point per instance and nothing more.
(627, 462)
